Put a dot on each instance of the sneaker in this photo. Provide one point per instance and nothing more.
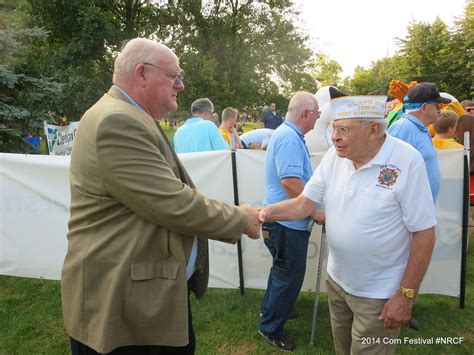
(414, 324)
(283, 343)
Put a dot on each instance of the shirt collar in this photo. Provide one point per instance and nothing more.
(294, 127)
(384, 152)
(130, 98)
(194, 119)
(416, 122)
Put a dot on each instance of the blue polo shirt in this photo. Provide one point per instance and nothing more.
(198, 135)
(287, 157)
(412, 131)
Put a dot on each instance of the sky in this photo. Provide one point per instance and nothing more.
(355, 33)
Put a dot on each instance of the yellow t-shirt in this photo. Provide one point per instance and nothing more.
(446, 143)
(226, 134)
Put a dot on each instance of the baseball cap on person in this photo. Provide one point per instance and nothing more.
(424, 92)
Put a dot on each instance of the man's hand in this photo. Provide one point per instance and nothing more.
(396, 311)
(318, 216)
(253, 224)
(262, 215)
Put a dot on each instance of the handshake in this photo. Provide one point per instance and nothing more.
(254, 223)
(257, 216)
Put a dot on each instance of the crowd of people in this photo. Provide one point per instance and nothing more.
(197, 134)
(138, 230)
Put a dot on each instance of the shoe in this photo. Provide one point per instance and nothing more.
(283, 343)
(414, 324)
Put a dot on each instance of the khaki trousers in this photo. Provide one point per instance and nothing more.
(356, 328)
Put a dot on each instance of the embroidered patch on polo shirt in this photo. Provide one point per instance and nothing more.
(388, 176)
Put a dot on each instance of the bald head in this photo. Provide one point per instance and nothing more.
(149, 73)
(300, 102)
(140, 50)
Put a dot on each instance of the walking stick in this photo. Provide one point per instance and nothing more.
(318, 284)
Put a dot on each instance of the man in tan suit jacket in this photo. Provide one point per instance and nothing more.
(133, 255)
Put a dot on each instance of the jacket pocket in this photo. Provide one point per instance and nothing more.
(147, 270)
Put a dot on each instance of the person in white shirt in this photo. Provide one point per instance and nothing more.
(257, 138)
(380, 220)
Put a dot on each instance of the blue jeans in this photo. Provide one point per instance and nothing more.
(289, 248)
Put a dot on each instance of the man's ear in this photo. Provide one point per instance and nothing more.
(375, 129)
(139, 75)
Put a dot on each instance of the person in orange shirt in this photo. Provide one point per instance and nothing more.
(445, 129)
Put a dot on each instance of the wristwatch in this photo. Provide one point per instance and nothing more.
(407, 292)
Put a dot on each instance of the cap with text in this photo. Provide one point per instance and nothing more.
(358, 107)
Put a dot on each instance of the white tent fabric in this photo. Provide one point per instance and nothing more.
(35, 199)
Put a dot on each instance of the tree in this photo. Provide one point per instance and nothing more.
(362, 82)
(430, 52)
(238, 53)
(425, 50)
(326, 70)
(25, 100)
(460, 57)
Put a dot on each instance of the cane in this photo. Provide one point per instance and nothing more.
(318, 284)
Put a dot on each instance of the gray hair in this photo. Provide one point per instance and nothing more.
(301, 100)
(202, 106)
(383, 124)
(136, 51)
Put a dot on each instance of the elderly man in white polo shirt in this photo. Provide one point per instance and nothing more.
(380, 220)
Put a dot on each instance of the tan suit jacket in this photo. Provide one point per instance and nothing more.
(133, 219)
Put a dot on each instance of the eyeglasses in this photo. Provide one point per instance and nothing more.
(438, 105)
(470, 109)
(318, 113)
(344, 131)
(178, 79)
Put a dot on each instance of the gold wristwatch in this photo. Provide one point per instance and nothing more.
(407, 292)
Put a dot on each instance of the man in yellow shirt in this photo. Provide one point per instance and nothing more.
(227, 128)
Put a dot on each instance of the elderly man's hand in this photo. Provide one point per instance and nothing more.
(253, 223)
(396, 311)
(262, 215)
(318, 216)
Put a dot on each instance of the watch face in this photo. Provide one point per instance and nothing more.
(410, 293)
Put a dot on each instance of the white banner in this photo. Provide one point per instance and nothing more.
(60, 138)
(34, 210)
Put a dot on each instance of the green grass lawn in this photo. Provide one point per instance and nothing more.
(224, 321)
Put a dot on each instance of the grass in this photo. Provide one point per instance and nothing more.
(224, 321)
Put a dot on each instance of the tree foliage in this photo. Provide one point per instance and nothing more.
(25, 100)
(57, 55)
(238, 53)
(234, 52)
(326, 70)
(430, 52)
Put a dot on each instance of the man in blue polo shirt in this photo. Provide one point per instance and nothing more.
(199, 133)
(422, 108)
(421, 105)
(287, 169)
